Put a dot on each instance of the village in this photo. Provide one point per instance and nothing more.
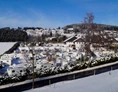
(59, 45)
(73, 53)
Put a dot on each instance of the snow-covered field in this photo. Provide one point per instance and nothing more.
(4, 46)
(105, 82)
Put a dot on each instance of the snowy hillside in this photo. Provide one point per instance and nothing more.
(4, 46)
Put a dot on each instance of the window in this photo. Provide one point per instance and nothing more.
(13, 71)
(45, 66)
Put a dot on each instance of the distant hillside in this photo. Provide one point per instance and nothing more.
(12, 35)
(79, 27)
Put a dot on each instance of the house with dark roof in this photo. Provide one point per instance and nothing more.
(79, 42)
(70, 40)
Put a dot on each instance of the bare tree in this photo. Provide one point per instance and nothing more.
(95, 34)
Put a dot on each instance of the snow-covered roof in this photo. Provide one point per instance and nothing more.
(79, 40)
(70, 29)
(71, 38)
(116, 39)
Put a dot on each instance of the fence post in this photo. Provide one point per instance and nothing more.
(74, 76)
(49, 81)
(111, 68)
(94, 72)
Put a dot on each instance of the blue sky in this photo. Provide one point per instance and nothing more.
(54, 13)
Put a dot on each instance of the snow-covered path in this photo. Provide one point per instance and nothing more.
(105, 82)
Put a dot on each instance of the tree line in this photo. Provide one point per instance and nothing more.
(12, 35)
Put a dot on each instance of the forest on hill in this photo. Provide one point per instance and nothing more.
(12, 35)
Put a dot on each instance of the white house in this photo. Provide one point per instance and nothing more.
(79, 42)
(7, 58)
(16, 71)
(23, 49)
(44, 64)
(70, 30)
